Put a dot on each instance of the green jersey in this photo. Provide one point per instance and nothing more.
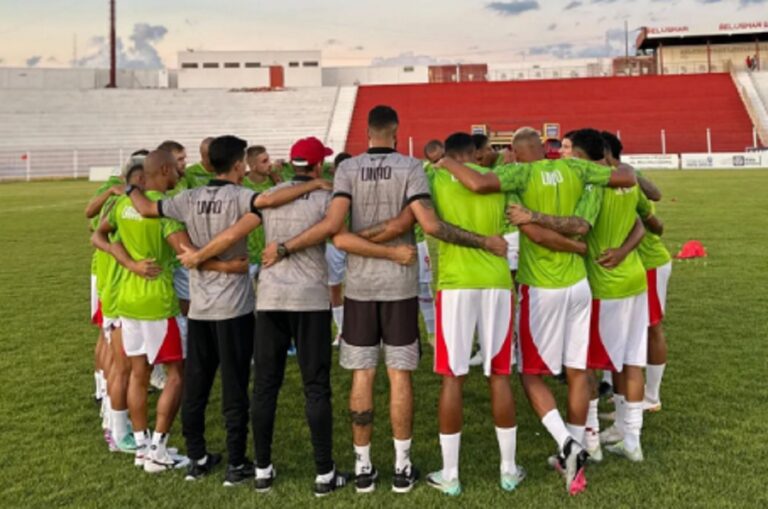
(652, 250)
(108, 280)
(195, 176)
(256, 237)
(137, 297)
(462, 267)
(552, 187)
(617, 218)
(111, 181)
(418, 231)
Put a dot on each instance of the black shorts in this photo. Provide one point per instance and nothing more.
(367, 324)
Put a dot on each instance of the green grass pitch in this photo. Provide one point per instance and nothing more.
(705, 449)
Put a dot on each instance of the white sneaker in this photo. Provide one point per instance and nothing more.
(157, 380)
(592, 445)
(477, 359)
(160, 459)
(619, 448)
(611, 435)
(140, 457)
(607, 416)
(336, 342)
(650, 406)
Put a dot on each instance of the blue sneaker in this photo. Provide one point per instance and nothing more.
(511, 482)
(450, 488)
(127, 444)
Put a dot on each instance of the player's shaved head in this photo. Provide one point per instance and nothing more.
(528, 146)
(157, 161)
(461, 147)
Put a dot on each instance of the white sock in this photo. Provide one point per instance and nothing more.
(450, 445)
(265, 473)
(633, 424)
(106, 412)
(593, 423)
(577, 432)
(338, 317)
(653, 375)
(142, 438)
(620, 403)
(324, 478)
(119, 422)
(159, 440)
(402, 454)
(362, 459)
(427, 306)
(507, 438)
(103, 383)
(608, 377)
(556, 427)
(97, 380)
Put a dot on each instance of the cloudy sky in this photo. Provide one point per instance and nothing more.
(350, 32)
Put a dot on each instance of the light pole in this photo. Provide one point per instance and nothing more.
(112, 47)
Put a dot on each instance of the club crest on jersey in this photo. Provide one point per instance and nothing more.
(551, 178)
(130, 214)
(375, 173)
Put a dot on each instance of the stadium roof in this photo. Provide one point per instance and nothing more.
(722, 33)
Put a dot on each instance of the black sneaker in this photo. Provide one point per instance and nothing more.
(340, 479)
(404, 480)
(239, 474)
(573, 461)
(606, 390)
(366, 482)
(264, 484)
(200, 468)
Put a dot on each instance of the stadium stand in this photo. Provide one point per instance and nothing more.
(640, 107)
(52, 124)
(753, 87)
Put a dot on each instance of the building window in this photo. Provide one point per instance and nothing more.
(231, 65)
(408, 69)
(189, 65)
(211, 65)
(252, 65)
(311, 64)
(293, 64)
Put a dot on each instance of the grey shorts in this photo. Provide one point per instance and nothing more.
(337, 264)
(370, 327)
(181, 282)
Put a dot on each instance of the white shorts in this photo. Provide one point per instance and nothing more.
(425, 264)
(513, 249)
(160, 340)
(658, 282)
(553, 328)
(462, 312)
(337, 264)
(109, 324)
(94, 299)
(618, 333)
(181, 282)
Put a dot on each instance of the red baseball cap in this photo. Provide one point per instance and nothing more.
(309, 151)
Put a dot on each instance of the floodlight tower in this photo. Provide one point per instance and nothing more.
(112, 47)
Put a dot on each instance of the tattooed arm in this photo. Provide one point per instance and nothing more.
(389, 230)
(434, 226)
(570, 225)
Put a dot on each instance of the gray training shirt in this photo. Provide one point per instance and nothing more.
(207, 211)
(299, 282)
(380, 184)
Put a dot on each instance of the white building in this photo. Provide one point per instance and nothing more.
(353, 76)
(249, 69)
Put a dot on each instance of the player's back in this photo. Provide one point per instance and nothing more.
(462, 267)
(299, 282)
(618, 214)
(144, 239)
(554, 188)
(380, 183)
(206, 212)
